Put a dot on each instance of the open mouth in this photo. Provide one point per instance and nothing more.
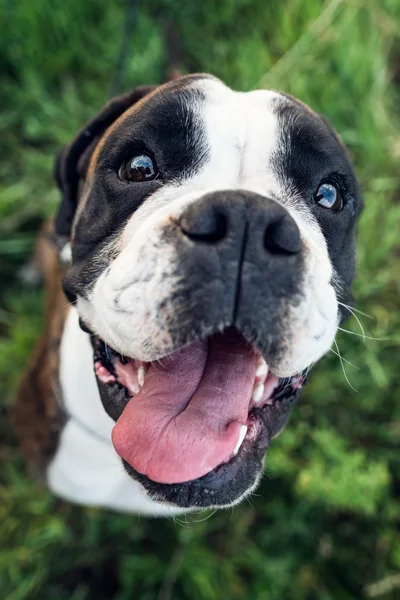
(198, 417)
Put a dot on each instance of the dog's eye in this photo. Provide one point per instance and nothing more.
(328, 196)
(139, 168)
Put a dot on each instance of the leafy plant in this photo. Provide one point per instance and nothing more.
(325, 522)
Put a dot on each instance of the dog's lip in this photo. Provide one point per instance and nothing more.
(214, 489)
(191, 412)
(248, 459)
(210, 486)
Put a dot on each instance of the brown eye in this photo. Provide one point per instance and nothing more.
(139, 168)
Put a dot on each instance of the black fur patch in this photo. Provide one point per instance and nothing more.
(167, 127)
(231, 273)
(311, 153)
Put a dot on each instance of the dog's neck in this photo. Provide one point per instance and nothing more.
(85, 468)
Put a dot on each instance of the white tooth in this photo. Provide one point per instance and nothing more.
(258, 392)
(242, 435)
(141, 374)
(262, 368)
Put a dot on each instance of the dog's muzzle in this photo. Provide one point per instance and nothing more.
(239, 259)
(247, 248)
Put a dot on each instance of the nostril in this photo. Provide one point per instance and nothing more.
(209, 227)
(282, 237)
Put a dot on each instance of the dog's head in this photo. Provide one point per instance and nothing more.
(213, 252)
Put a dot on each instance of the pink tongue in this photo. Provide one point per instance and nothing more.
(186, 420)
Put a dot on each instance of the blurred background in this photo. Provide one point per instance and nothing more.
(325, 522)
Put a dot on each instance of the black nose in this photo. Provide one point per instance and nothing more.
(205, 223)
(224, 215)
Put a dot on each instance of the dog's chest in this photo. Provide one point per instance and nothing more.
(85, 468)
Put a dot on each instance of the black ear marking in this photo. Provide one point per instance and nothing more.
(72, 160)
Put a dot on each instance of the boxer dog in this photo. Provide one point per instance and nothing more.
(212, 238)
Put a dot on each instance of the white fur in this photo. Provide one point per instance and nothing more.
(243, 134)
(86, 468)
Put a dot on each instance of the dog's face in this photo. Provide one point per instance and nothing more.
(213, 245)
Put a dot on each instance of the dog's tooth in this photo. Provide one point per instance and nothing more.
(261, 367)
(258, 392)
(242, 435)
(135, 388)
(141, 374)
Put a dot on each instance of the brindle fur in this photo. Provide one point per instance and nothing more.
(38, 415)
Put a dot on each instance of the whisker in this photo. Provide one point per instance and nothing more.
(71, 303)
(359, 323)
(286, 382)
(182, 522)
(249, 501)
(342, 364)
(349, 308)
(356, 310)
(157, 363)
(345, 360)
(159, 360)
(310, 366)
(365, 337)
(211, 514)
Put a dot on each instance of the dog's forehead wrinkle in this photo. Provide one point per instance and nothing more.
(245, 144)
(237, 154)
(240, 137)
(154, 275)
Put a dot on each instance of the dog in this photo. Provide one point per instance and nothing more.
(212, 240)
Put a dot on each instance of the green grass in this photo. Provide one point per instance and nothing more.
(324, 525)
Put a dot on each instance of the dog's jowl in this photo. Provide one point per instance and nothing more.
(213, 251)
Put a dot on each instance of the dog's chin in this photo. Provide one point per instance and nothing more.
(193, 427)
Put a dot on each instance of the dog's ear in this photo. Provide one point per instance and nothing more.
(72, 160)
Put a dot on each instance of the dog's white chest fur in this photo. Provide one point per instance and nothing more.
(85, 468)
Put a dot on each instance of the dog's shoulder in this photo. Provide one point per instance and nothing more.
(38, 415)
